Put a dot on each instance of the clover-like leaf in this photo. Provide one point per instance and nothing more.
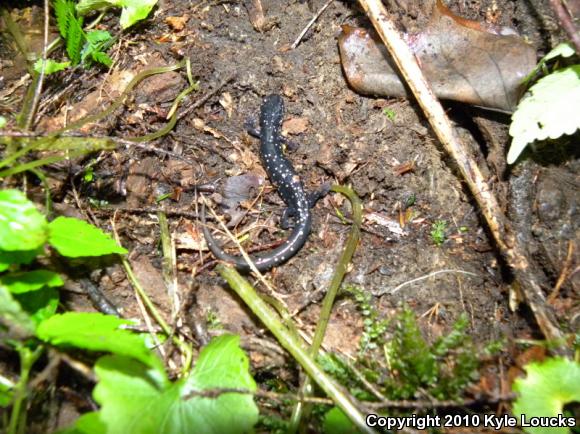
(25, 281)
(13, 318)
(547, 387)
(548, 111)
(132, 12)
(22, 226)
(96, 332)
(133, 400)
(75, 238)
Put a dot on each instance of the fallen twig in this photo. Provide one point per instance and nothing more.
(509, 246)
(310, 24)
(567, 22)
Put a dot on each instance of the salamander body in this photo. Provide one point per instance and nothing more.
(290, 188)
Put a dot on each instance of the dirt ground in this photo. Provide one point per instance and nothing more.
(343, 138)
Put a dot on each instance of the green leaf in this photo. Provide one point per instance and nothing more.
(88, 423)
(336, 422)
(547, 387)
(132, 399)
(17, 257)
(24, 281)
(96, 332)
(3, 121)
(13, 317)
(75, 238)
(50, 66)
(549, 110)
(70, 28)
(40, 304)
(102, 58)
(74, 40)
(85, 7)
(22, 227)
(133, 10)
(6, 392)
(64, 10)
(96, 36)
(565, 49)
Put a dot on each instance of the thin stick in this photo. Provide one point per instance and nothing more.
(508, 244)
(40, 81)
(418, 279)
(564, 274)
(207, 96)
(566, 22)
(310, 24)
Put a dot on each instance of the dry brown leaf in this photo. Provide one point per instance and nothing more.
(227, 102)
(189, 237)
(295, 126)
(177, 23)
(463, 60)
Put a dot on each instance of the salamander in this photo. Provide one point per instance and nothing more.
(290, 188)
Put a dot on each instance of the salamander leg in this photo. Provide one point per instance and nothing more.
(289, 213)
(251, 127)
(315, 196)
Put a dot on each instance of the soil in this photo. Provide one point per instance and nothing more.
(343, 138)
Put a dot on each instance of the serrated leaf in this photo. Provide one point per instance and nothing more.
(13, 316)
(132, 401)
(96, 36)
(76, 238)
(102, 58)
(50, 66)
(96, 332)
(63, 10)
(549, 110)
(22, 227)
(25, 281)
(74, 40)
(548, 386)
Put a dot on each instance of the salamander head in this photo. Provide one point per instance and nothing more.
(272, 109)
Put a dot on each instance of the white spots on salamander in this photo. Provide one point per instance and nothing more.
(288, 183)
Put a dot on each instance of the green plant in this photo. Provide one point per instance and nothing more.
(89, 46)
(550, 108)
(374, 327)
(546, 389)
(134, 391)
(443, 369)
(132, 11)
(389, 113)
(81, 46)
(438, 232)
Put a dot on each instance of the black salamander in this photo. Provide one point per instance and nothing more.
(290, 189)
